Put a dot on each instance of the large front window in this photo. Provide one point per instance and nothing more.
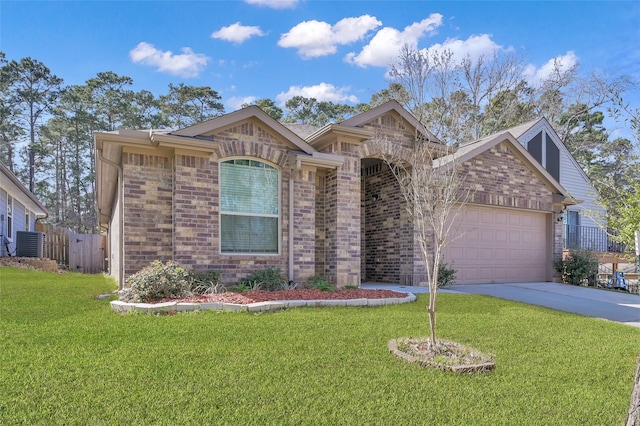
(249, 201)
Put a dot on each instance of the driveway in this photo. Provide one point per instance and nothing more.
(598, 303)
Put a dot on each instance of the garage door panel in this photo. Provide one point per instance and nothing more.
(498, 245)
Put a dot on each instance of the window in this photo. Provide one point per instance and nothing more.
(249, 207)
(27, 221)
(9, 217)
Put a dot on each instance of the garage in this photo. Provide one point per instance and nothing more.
(499, 245)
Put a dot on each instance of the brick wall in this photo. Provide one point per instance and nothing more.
(304, 215)
(171, 208)
(196, 224)
(387, 234)
(148, 215)
(499, 178)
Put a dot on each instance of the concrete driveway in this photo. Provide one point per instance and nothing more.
(613, 305)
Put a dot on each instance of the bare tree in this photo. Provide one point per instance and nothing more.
(448, 95)
(433, 187)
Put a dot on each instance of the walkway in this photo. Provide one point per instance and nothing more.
(598, 303)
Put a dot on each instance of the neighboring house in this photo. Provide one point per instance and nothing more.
(242, 192)
(19, 210)
(583, 222)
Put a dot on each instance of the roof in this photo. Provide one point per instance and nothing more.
(17, 190)
(521, 129)
(301, 129)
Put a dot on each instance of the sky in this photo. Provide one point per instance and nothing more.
(336, 51)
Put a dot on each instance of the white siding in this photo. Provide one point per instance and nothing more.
(572, 178)
(591, 214)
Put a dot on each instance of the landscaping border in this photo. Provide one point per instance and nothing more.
(171, 307)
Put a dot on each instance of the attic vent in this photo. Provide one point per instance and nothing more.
(372, 170)
(29, 244)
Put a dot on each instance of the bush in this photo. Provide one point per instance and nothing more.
(157, 281)
(169, 280)
(269, 279)
(446, 275)
(578, 268)
(320, 283)
(207, 282)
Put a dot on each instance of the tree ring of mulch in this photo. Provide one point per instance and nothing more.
(447, 356)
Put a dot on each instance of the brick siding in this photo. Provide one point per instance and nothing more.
(148, 211)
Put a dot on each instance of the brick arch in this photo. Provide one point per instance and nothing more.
(374, 149)
(237, 148)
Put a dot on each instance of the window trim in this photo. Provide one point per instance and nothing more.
(221, 212)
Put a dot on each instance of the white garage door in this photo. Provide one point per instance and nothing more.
(499, 246)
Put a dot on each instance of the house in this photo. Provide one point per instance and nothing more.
(583, 222)
(242, 192)
(19, 210)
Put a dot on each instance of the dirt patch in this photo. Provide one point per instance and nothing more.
(41, 264)
(448, 356)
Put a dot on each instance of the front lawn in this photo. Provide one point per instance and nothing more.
(66, 358)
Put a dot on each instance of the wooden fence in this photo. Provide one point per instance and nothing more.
(78, 252)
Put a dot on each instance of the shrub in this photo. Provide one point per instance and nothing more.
(579, 267)
(157, 281)
(169, 280)
(245, 286)
(320, 283)
(446, 275)
(269, 279)
(207, 282)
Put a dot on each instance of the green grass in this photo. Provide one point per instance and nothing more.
(66, 358)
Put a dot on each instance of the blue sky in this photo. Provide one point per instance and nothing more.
(331, 50)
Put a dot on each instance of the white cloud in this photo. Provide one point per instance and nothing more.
(186, 64)
(323, 92)
(237, 33)
(317, 38)
(235, 103)
(275, 4)
(563, 63)
(384, 47)
(474, 47)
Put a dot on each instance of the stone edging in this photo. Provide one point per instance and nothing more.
(470, 368)
(170, 307)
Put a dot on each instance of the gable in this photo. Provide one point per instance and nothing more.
(501, 177)
(371, 117)
(471, 151)
(251, 130)
(236, 120)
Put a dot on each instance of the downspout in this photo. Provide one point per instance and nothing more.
(121, 213)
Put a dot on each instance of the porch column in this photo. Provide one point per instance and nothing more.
(342, 224)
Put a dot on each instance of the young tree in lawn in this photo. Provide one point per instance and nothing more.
(433, 186)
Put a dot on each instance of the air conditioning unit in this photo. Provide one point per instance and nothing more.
(29, 244)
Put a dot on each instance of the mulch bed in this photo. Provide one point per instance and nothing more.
(298, 294)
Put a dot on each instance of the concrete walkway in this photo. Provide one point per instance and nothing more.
(613, 305)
